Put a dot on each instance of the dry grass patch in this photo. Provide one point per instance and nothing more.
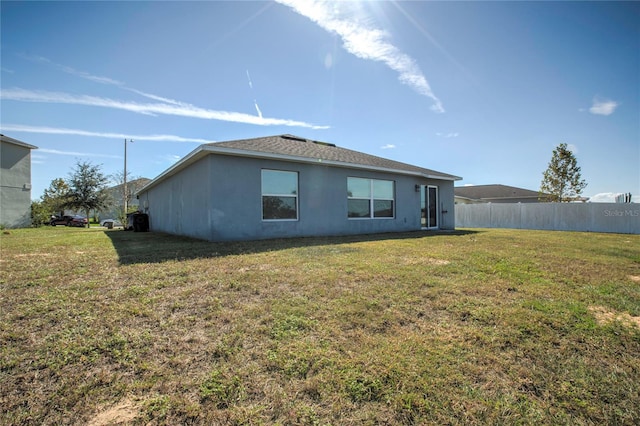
(123, 413)
(606, 316)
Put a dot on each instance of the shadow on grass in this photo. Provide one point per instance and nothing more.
(156, 247)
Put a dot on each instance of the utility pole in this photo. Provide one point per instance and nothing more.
(125, 179)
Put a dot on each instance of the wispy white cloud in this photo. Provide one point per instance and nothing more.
(77, 132)
(37, 158)
(73, 71)
(257, 109)
(603, 106)
(365, 41)
(417, 25)
(171, 158)
(182, 110)
(155, 97)
(76, 153)
(388, 146)
(249, 80)
(91, 77)
(255, 102)
(604, 197)
(448, 135)
(100, 79)
(185, 107)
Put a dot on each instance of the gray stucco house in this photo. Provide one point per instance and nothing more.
(15, 182)
(287, 186)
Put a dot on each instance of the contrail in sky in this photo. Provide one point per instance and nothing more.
(181, 110)
(249, 79)
(99, 79)
(77, 132)
(255, 102)
(365, 42)
(76, 154)
(166, 107)
(258, 109)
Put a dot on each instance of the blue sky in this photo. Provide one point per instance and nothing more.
(482, 90)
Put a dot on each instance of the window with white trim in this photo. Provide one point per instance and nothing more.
(279, 195)
(370, 198)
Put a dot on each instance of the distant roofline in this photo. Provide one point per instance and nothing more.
(11, 140)
(475, 192)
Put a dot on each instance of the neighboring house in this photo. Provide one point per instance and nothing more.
(287, 186)
(15, 182)
(494, 194)
(116, 194)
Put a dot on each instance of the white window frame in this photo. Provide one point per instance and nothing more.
(372, 199)
(263, 194)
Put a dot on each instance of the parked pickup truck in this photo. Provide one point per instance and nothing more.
(68, 220)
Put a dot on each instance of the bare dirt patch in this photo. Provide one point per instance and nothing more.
(122, 413)
(605, 316)
(635, 278)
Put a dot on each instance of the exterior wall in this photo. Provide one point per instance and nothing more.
(181, 204)
(447, 205)
(15, 186)
(594, 217)
(219, 199)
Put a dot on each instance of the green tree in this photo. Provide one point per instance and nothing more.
(39, 214)
(562, 180)
(56, 197)
(88, 188)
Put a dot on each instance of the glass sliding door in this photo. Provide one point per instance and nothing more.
(432, 202)
(429, 207)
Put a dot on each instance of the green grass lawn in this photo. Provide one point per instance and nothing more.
(472, 327)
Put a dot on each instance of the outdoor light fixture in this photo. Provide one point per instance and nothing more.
(417, 188)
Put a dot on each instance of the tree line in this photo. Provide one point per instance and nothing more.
(85, 190)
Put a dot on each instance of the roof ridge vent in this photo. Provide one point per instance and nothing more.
(299, 139)
(293, 138)
(324, 143)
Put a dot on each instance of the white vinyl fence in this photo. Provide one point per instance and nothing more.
(594, 217)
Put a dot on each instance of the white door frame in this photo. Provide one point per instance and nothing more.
(429, 207)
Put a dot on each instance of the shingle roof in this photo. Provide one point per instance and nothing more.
(493, 192)
(294, 146)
